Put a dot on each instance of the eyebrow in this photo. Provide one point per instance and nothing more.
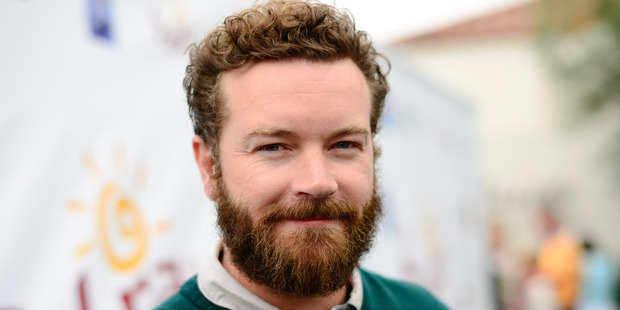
(283, 133)
(269, 132)
(351, 131)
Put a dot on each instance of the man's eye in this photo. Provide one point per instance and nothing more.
(270, 147)
(345, 145)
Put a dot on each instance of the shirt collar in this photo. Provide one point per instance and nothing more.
(219, 287)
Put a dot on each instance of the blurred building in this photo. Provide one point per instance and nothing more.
(532, 150)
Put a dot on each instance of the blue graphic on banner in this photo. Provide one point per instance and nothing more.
(100, 18)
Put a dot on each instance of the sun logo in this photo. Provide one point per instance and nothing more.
(122, 234)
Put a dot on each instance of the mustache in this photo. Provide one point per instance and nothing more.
(331, 208)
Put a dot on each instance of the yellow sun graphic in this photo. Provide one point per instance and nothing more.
(121, 231)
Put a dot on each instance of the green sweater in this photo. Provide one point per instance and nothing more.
(379, 293)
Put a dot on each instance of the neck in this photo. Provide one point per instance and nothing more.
(283, 302)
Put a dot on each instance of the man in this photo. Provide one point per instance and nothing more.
(285, 98)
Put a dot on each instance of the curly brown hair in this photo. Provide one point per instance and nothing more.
(276, 30)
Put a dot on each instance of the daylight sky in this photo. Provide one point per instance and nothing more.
(386, 20)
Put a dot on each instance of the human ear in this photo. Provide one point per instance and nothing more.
(204, 158)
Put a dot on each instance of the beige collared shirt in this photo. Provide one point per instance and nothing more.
(217, 285)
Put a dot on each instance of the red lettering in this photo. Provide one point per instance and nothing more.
(141, 287)
(128, 296)
(82, 290)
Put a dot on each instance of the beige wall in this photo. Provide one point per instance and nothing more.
(528, 145)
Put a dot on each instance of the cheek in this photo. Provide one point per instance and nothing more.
(356, 185)
(254, 185)
(360, 189)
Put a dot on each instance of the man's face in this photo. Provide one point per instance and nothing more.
(296, 200)
(295, 131)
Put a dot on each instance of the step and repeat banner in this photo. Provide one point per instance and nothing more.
(101, 204)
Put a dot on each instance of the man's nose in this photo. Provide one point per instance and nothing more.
(313, 178)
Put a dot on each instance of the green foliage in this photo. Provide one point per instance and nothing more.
(581, 39)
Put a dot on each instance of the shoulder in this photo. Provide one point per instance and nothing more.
(384, 293)
(188, 297)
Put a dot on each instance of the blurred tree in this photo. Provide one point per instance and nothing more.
(581, 41)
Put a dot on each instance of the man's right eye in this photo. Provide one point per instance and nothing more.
(270, 147)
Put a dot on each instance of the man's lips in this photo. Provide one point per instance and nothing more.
(315, 219)
(310, 221)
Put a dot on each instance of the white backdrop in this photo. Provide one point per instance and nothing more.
(101, 205)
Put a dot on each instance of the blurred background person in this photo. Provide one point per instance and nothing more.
(537, 291)
(559, 259)
(598, 280)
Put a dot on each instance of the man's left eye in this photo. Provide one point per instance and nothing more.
(345, 145)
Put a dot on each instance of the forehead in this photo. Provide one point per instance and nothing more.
(296, 82)
(306, 69)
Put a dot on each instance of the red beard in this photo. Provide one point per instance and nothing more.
(309, 261)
